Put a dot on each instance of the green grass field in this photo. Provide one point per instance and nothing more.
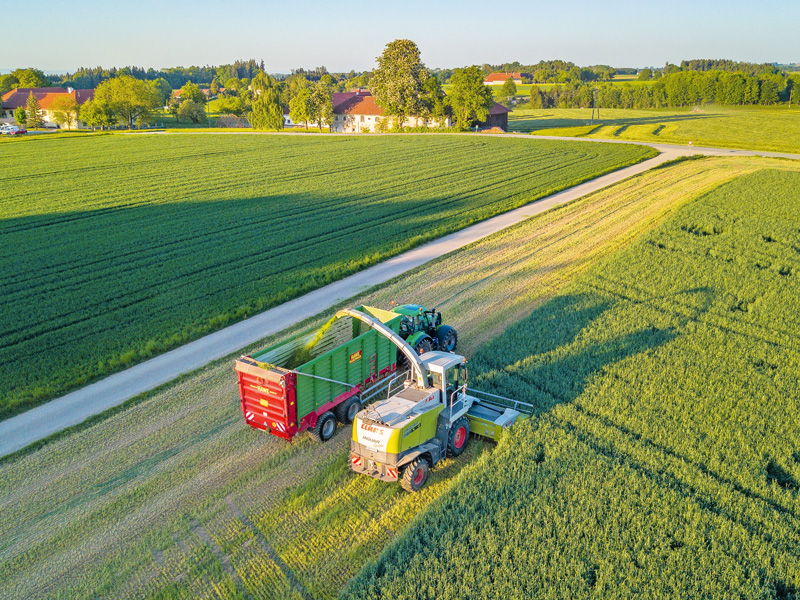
(117, 248)
(753, 128)
(664, 459)
(176, 497)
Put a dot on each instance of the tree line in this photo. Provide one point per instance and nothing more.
(677, 89)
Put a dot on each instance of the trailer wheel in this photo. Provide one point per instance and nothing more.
(447, 338)
(415, 475)
(458, 437)
(346, 411)
(325, 427)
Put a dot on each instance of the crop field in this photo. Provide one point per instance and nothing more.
(664, 461)
(116, 248)
(176, 497)
(754, 128)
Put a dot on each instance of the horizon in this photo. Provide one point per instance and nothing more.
(620, 34)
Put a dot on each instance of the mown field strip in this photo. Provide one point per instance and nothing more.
(109, 512)
(161, 239)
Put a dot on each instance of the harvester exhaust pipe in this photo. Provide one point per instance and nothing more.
(411, 355)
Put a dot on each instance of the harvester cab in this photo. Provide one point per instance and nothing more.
(428, 415)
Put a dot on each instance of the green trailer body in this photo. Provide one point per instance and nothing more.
(286, 387)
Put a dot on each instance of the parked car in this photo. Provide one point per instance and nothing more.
(18, 131)
(9, 129)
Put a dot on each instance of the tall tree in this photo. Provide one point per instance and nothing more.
(509, 88)
(162, 90)
(470, 98)
(192, 111)
(397, 82)
(130, 99)
(35, 120)
(321, 105)
(96, 114)
(21, 116)
(267, 106)
(299, 106)
(191, 91)
(30, 78)
(65, 110)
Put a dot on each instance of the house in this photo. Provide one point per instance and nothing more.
(357, 111)
(46, 96)
(498, 117)
(500, 78)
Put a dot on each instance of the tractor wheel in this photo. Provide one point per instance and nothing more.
(325, 427)
(415, 475)
(424, 345)
(447, 338)
(458, 437)
(346, 411)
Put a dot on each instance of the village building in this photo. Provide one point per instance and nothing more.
(46, 96)
(357, 112)
(498, 117)
(500, 78)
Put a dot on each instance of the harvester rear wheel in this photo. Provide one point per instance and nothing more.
(346, 411)
(458, 437)
(447, 338)
(415, 475)
(424, 345)
(325, 427)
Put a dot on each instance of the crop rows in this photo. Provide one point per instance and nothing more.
(117, 248)
(664, 458)
(120, 510)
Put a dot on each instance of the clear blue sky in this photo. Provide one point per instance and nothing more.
(345, 35)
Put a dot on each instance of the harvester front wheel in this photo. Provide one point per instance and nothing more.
(325, 427)
(346, 411)
(458, 437)
(415, 475)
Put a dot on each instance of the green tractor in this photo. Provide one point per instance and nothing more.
(422, 329)
(426, 417)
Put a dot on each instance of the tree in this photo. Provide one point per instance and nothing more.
(397, 82)
(192, 111)
(645, 75)
(96, 114)
(8, 83)
(21, 116)
(234, 106)
(469, 97)
(30, 78)
(214, 87)
(162, 91)
(509, 88)
(299, 106)
(35, 120)
(267, 110)
(130, 99)
(65, 110)
(190, 91)
(321, 105)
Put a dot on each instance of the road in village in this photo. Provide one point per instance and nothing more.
(75, 407)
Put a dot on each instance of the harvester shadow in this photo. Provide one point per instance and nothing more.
(543, 361)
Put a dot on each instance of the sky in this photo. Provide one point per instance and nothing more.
(349, 35)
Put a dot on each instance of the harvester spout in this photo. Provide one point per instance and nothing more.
(413, 358)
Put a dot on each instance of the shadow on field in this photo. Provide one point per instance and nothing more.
(532, 122)
(546, 360)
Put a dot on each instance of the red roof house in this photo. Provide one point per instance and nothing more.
(500, 78)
